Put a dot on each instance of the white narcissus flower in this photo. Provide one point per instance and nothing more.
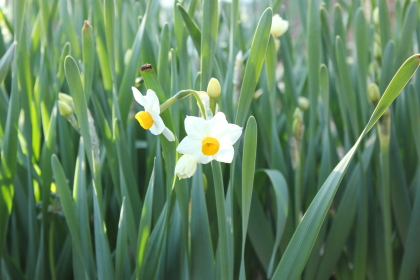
(210, 139)
(278, 26)
(186, 166)
(150, 118)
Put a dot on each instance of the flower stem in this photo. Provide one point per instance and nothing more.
(180, 95)
(213, 105)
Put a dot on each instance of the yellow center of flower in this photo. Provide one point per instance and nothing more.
(210, 146)
(145, 119)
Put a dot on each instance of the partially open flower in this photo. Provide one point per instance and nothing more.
(278, 26)
(150, 118)
(210, 139)
(186, 166)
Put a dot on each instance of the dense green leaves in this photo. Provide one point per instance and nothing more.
(86, 192)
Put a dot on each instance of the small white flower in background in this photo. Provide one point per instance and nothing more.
(210, 139)
(186, 166)
(278, 26)
(150, 119)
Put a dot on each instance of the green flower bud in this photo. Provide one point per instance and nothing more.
(303, 103)
(375, 16)
(373, 93)
(127, 56)
(64, 108)
(213, 88)
(377, 51)
(65, 98)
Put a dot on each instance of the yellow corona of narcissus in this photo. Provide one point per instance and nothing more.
(278, 26)
(209, 139)
(150, 118)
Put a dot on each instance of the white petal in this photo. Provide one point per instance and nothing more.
(153, 101)
(195, 126)
(218, 126)
(168, 134)
(201, 158)
(154, 129)
(189, 145)
(158, 125)
(225, 154)
(139, 97)
(192, 145)
(186, 166)
(235, 132)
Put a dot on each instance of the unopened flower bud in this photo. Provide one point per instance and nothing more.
(375, 16)
(377, 51)
(186, 166)
(377, 38)
(297, 115)
(373, 93)
(303, 103)
(127, 56)
(65, 98)
(65, 110)
(278, 26)
(213, 88)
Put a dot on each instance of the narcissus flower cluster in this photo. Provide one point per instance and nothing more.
(207, 139)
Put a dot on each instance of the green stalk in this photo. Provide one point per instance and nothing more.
(213, 105)
(221, 219)
(51, 251)
(384, 136)
(180, 95)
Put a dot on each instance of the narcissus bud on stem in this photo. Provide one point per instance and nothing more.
(303, 103)
(278, 26)
(65, 110)
(213, 88)
(373, 93)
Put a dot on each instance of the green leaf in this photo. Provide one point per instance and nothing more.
(6, 61)
(69, 210)
(300, 246)
(208, 40)
(223, 250)
(80, 105)
(125, 94)
(104, 267)
(248, 171)
(193, 30)
(254, 66)
(121, 249)
(202, 260)
(9, 158)
(145, 224)
(163, 61)
(88, 51)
